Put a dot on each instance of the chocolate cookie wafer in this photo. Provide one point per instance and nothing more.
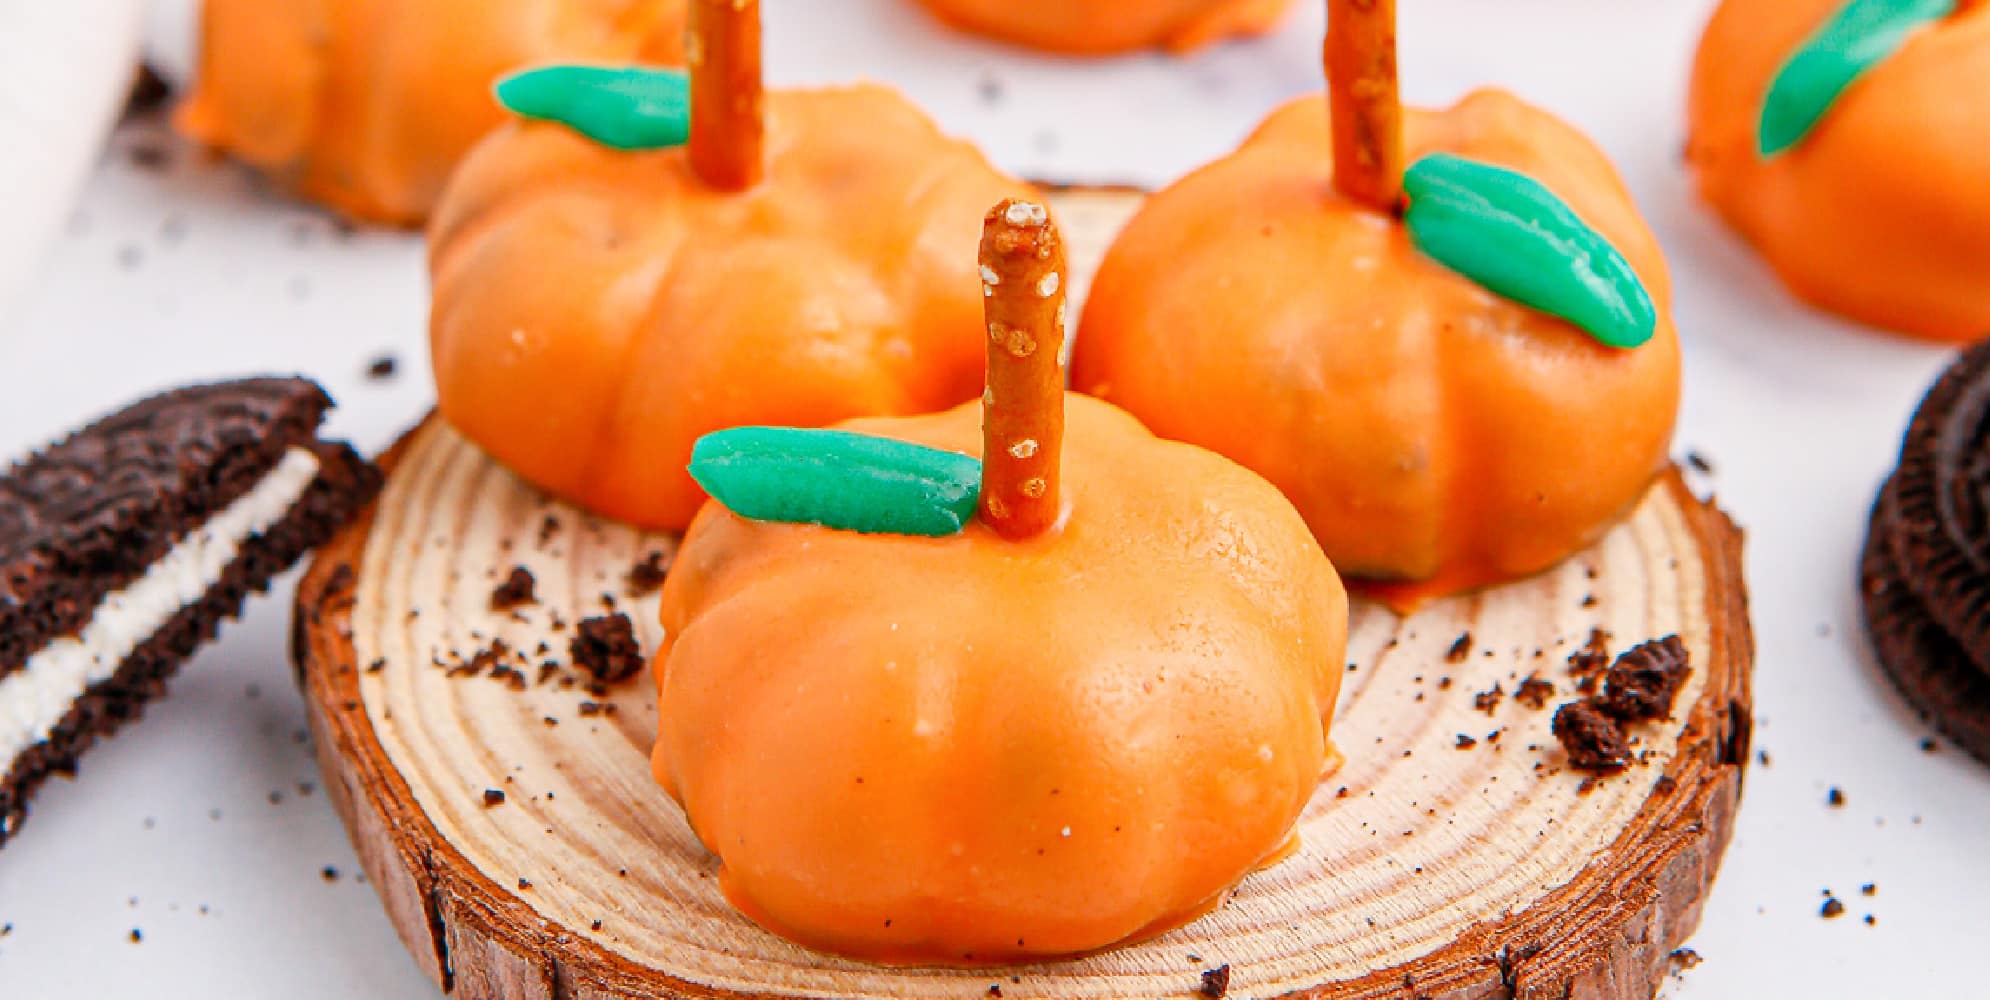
(1939, 522)
(1927, 664)
(124, 546)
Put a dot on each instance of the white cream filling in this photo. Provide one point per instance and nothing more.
(34, 698)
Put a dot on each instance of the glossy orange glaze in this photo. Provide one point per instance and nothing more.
(366, 105)
(1104, 27)
(596, 312)
(1428, 429)
(969, 750)
(1882, 212)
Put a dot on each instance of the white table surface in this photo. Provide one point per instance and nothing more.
(201, 827)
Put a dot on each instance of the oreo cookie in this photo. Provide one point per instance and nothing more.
(1924, 661)
(124, 546)
(1938, 516)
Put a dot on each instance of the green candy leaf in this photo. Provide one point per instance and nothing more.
(1862, 33)
(837, 479)
(1505, 231)
(624, 108)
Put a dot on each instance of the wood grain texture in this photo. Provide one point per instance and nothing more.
(1443, 871)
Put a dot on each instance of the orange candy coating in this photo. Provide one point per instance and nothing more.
(366, 105)
(1882, 212)
(595, 312)
(969, 749)
(1429, 430)
(1105, 27)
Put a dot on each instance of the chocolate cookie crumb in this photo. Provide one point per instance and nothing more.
(1466, 742)
(148, 157)
(149, 92)
(517, 589)
(1835, 798)
(1215, 982)
(329, 874)
(1460, 649)
(1643, 682)
(382, 368)
(1594, 656)
(1869, 889)
(1831, 909)
(1684, 959)
(1591, 737)
(490, 658)
(137, 935)
(1534, 692)
(648, 574)
(1487, 701)
(1699, 463)
(606, 647)
(493, 797)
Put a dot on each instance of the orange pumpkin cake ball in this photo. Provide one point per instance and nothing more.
(1105, 27)
(1457, 386)
(599, 307)
(1847, 141)
(366, 105)
(933, 709)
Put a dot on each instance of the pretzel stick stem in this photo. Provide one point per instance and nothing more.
(1362, 96)
(1022, 410)
(722, 45)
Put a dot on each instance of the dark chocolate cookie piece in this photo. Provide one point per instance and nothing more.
(1939, 500)
(88, 514)
(1927, 665)
(345, 484)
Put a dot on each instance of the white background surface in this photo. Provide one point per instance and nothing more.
(175, 827)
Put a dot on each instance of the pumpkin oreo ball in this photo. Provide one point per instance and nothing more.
(1104, 27)
(1460, 372)
(604, 293)
(1846, 140)
(367, 105)
(929, 707)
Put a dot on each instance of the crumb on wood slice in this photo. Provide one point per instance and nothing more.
(648, 573)
(1534, 692)
(1460, 649)
(606, 647)
(518, 588)
(1592, 739)
(1643, 682)
(1215, 982)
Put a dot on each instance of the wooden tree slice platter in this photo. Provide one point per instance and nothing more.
(1454, 855)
